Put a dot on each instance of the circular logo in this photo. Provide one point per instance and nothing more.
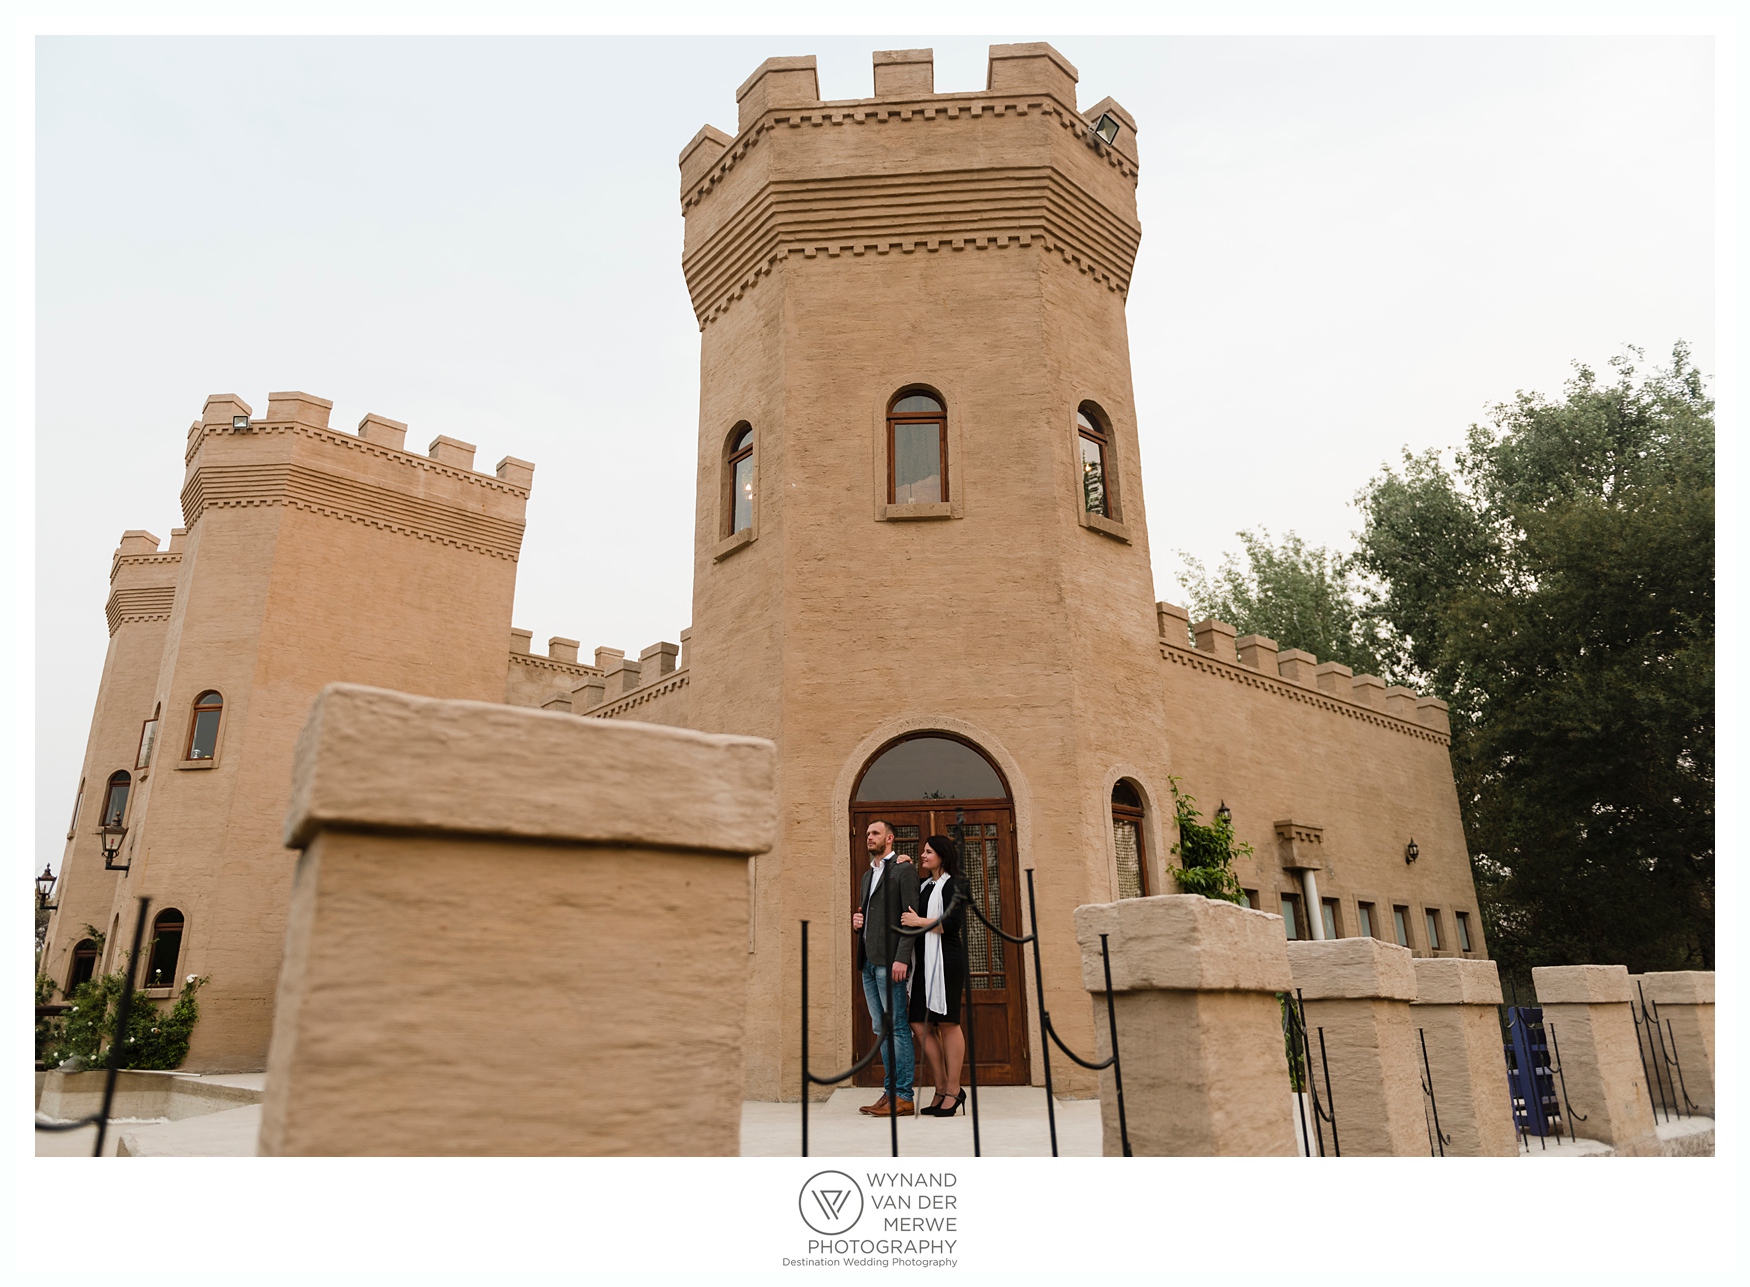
(831, 1203)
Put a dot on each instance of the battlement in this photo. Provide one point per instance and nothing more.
(1293, 670)
(142, 578)
(1013, 165)
(226, 413)
(559, 681)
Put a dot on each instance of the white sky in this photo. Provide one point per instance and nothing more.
(1350, 244)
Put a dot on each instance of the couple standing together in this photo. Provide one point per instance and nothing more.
(931, 967)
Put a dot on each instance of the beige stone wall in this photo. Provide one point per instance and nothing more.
(1684, 1004)
(1358, 991)
(1455, 1008)
(1371, 777)
(143, 581)
(312, 556)
(1194, 986)
(474, 968)
(1592, 1036)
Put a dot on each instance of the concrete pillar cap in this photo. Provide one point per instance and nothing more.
(1359, 968)
(1454, 980)
(1182, 942)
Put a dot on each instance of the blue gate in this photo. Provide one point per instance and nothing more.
(1536, 1109)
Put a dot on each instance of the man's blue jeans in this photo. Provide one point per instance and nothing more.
(877, 979)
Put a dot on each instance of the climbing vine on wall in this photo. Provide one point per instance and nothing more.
(155, 1039)
(1206, 851)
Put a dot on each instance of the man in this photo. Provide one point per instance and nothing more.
(890, 888)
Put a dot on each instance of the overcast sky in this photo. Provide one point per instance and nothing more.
(1349, 245)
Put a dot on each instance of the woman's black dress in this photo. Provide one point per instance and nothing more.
(953, 960)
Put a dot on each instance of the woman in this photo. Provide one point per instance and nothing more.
(936, 991)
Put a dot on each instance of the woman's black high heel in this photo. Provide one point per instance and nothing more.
(957, 1104)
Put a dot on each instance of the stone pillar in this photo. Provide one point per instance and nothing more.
(1359, 991)
(1592, 1036)
(1455, 1009)
(1685, 1000)
(513, 933)
(1194, 986)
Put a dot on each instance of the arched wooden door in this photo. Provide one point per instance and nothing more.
(922, 786)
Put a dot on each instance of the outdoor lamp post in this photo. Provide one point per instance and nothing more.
(110, 837)
(1411, 852)
(45, 885)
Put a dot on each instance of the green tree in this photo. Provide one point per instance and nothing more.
(1302, 596)
(1556, 586)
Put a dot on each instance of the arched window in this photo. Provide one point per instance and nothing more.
(1127, 840)
(115, 799)
(203, 729)
(738, 478)
(931, 767)
(1095, 439)
(166, 947)
(917, 450)
(84, 964)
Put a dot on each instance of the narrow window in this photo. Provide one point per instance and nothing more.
(1400, 919)
(1328, 909)
(84, 964)
(1290, 920)
(166, 947)
(1433, 918)
(79, 799)
(148, 739)
(115, 799)
(1094, 439)
(917, 451)
(1127, 840)
(203, 729)
(739, 475)
(1364, 919)
(1251, 899)
(1463, 919)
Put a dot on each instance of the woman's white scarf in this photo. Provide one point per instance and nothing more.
(935, 979)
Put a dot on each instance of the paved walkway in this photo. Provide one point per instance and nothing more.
(1011, 1123)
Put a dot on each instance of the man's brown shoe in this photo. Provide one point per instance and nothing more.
(904, 1108)
(877, 1109)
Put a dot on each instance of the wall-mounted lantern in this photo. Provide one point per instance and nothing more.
(110, 836)
(1224, 813)
(1411, 852)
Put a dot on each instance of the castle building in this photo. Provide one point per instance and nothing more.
(921, 567)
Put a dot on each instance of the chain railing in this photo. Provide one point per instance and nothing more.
(1048, 1031)
(1666, 1073)
(124, 1007)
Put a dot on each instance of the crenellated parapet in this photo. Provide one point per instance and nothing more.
(292, 457)
(1253, 660)
(142, 578)
(612, 686)
(1014, 167)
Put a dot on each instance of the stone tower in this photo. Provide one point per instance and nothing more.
(973, 249)
(311, 556)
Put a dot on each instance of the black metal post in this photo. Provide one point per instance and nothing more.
(1434, 1104)
(1643, 1039)
(1555, 1054)
(1291, 1030)
(124, 1008)
(1689, 1104)
(892, 899)
(966, 958)
(1044, 1016)
(1330, 1100)
(804, 1038)
(1312, 1086)
(1112, 1038)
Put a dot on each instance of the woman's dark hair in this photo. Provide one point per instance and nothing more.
(948, 852)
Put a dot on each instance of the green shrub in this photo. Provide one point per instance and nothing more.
(155, 1039)
(1206, 851)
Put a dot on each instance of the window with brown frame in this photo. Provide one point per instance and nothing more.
(203, 728)
(1433, 919)
(115, 799)
(84, 964)
(1463, 919)
(1364, 919)
(738, 478)
(166, 948)
(1095, 439)
(148, 740)
(1127, 840)
(1400, 923)
(1291, 916)
(1332, 917)
(917, 450)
